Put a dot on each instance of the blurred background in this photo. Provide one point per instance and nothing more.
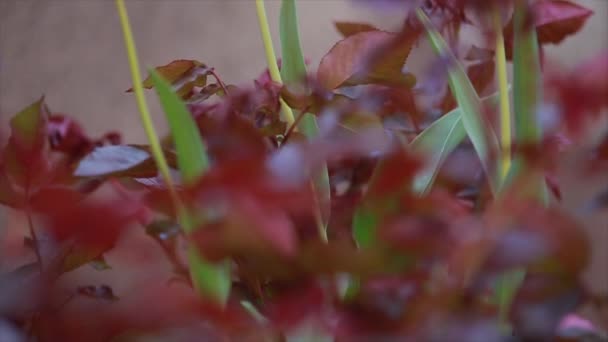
(72, 51)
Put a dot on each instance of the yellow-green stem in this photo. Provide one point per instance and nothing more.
(146, 119)
(503, 88)
(271, 58)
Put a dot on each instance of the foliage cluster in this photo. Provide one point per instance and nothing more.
(327, 205)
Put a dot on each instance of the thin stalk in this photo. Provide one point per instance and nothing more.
(196, 263)
(144, 112)
(219, 80)
(271, 58)
(503, 89)
(34, 237)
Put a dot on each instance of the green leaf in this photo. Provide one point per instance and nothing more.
(28, 126)
(364, 227)
(211, 279)
(526, 95)
(435, 148)
(293, 71)
(192, 158)
(438, 140)
(478, 128)
(506, 287)
(293, 67)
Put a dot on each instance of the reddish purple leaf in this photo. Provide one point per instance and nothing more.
(348, 62)
(554, 20)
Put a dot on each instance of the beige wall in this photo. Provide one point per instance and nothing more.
(72, 50)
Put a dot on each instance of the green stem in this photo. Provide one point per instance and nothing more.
(144, 112)
(503, 89)
(271, 58)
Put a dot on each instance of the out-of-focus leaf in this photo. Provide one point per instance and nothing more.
(212, 279)
(348, 61)
(8, 195)
(347, 28)
(293, 71)
(231, 138)
(478, 128)
(163, 229)
(28, 126)
(83, 231)
(392, 177)
(526, 95)
(182, 74)
(554, 20)
(365, 223)
(100, 264)
(557, 19)
(97, 292)
(576, 328)
(249, 225)
(588, 80)
(24, 155)
(108, 160)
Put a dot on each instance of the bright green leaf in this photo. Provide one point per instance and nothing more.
(212, 279)
(192, 158)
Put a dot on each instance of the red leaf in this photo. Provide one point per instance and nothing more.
(554, 21)
(393, 174)
(348, 62)
(557, 19)
(231, 138)
(248, 225)
(588, 81)
(296, 305)
(347, 28)
(67, 136)
(85, 230)
(183, 74)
